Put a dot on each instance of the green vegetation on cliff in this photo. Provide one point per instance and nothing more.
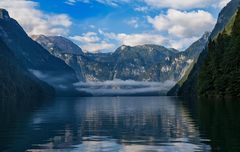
(220, 73)
(223, 48)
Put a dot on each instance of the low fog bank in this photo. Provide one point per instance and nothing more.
(125, 88)
(64, 86)
(62, 82)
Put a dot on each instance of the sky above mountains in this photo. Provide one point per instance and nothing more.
(104, 25)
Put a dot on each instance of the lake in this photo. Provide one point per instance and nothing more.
(122, 124)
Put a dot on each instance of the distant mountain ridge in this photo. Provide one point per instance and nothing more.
(59, 43)
(61, 63)
(140, 63)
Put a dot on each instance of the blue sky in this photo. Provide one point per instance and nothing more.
(104, 25)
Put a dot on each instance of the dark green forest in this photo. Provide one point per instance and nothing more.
(220, 73)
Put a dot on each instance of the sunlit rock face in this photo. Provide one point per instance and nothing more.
(139, 63)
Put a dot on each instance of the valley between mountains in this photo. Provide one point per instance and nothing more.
(42, 66)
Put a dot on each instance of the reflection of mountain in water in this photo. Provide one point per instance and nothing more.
(110, 123)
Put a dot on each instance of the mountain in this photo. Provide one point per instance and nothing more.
(224, 17)
(16, 82)
(189, 86)
(220, 73)
(58, 44)
(34, 57)
(192, 52)
(64, 49)
(139, 63)
(145, 63)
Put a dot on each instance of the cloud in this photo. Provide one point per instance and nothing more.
(133, 22)
(108, 42)
(90, 37)
(143, 9)
(181, 43)
(34, 21)
(91, 42)
(177, 4)
(97, 47)
(222, 3)
(158, 4)
(182, 23)
(134, 39)
(113, 3)
(70, 2)
(139, 39)
(186, 4)
(121, 87)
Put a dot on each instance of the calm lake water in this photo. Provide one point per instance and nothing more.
(124, 124)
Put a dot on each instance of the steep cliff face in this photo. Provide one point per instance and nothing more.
(224, 17)
(194, 50)
(64, 49)
(220, 73)
(16, 82)
(33, 56)
(193, 53)
(189, 86)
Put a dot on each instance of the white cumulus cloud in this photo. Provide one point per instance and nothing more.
(89, 37)
(178, 4)
(135, 39)
(222, 3)
(91, 42)
(98, 46)
(182, 23)
(139, 39)
(186, 4)
(34, 21)
(181, 43)
(108, 42)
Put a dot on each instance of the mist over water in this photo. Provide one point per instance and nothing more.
(114, 87)
(124, 87)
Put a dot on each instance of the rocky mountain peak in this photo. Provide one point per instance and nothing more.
(4, 14)
(123, 47)
(62, 44)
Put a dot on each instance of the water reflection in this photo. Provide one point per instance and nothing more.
(122, 124)
(219, 121)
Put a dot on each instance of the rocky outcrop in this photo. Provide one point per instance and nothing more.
(34, 57)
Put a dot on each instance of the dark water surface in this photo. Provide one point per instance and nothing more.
(130, 124)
